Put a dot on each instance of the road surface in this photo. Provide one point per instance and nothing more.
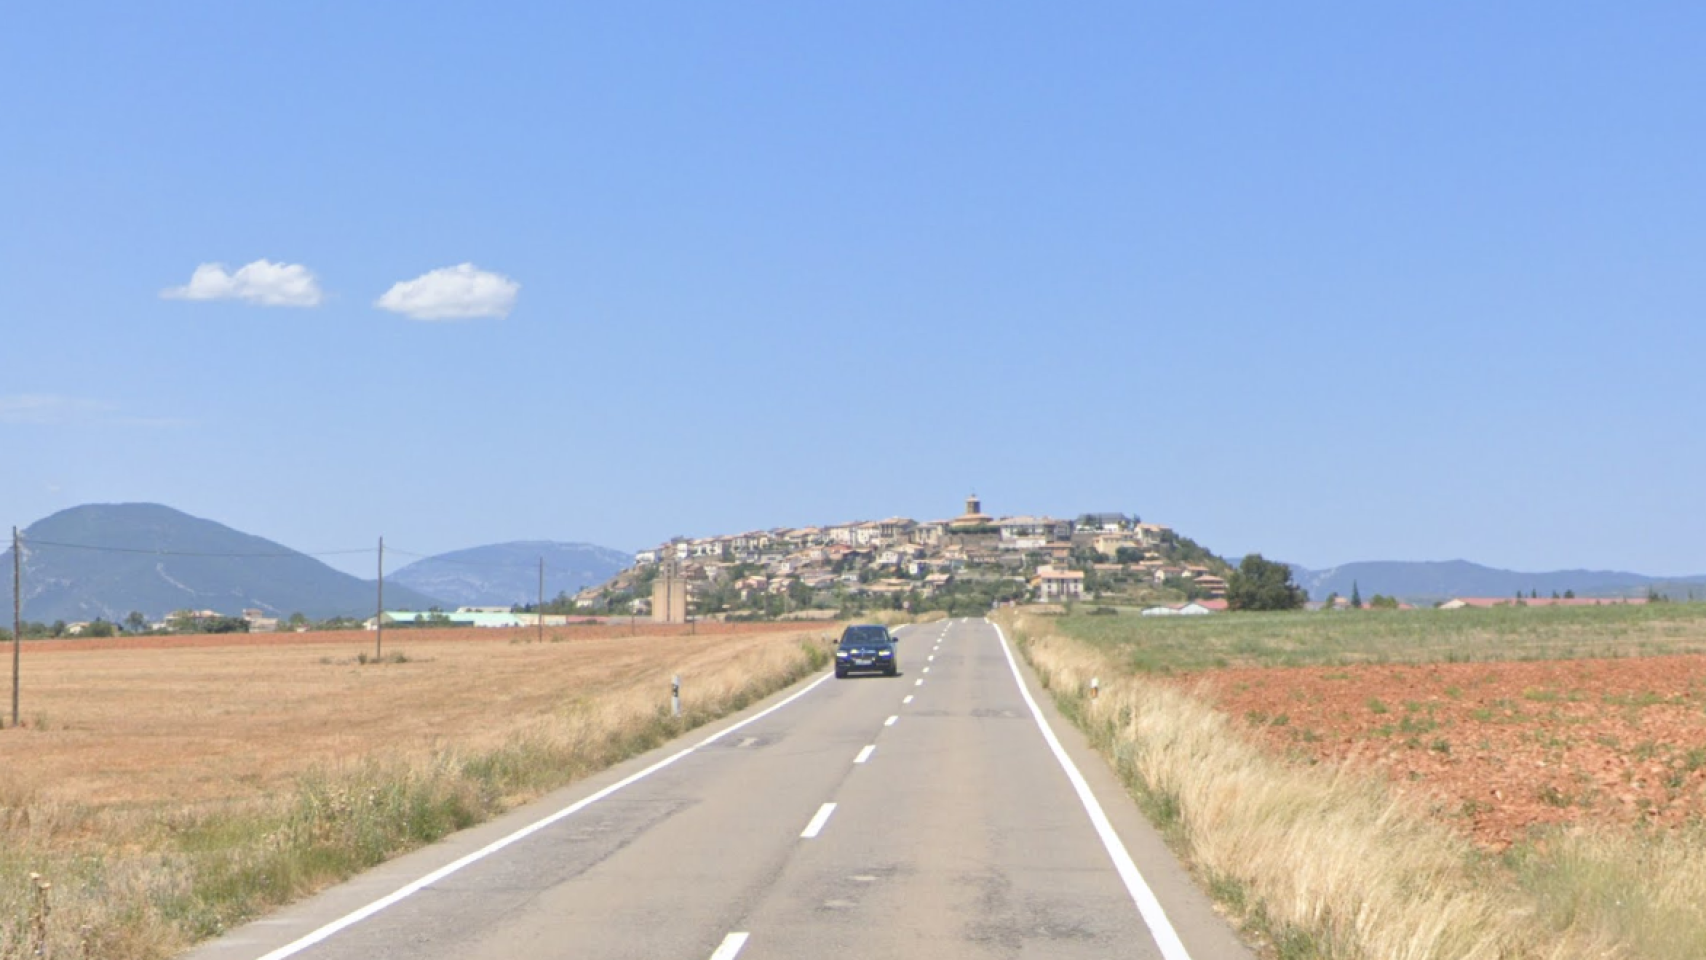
(921, 816)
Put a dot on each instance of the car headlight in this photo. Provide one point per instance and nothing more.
(885, 653)
(841, 653)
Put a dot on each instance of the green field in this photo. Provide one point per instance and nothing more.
(1178, 644)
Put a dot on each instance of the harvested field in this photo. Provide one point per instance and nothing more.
(1500, 747)
(189, 719)
(169, 790)
(362, 639)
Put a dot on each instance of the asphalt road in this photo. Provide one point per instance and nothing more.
(921, 816)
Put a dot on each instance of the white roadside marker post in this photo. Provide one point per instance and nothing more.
(675, 695)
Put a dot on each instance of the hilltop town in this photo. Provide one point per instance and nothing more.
(962, 565)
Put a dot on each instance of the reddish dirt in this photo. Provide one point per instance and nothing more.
(364, 638)
(1498, 747)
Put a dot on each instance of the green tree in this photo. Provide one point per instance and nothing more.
(135, 622)
(1260, 584)
(1331, 602)
(1356, 596)
(1382, 602)
(1569, 594)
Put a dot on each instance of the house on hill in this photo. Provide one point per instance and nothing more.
(1052, 584)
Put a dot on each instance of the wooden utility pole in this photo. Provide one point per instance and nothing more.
(379, 616)
(17, 618)
(541, 599)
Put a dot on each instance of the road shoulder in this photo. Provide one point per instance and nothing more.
(1206, 934)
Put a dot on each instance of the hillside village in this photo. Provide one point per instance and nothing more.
(960, 565)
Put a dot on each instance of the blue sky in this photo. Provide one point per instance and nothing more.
(1332, 282)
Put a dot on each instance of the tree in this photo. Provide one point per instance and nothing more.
(1332, 601)
(1260, 584)
(1381, 602)
(1569, 594)
(1356, 596)
(135, 622)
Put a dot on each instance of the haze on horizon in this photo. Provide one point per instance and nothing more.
(1330, 284)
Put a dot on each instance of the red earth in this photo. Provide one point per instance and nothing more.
(1497, 747)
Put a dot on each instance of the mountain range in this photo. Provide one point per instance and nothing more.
(107, 560)
(1431, 581)
(504, 574)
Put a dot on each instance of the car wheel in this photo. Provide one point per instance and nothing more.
(840, 674)
(893, 671)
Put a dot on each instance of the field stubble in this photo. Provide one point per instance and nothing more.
(168, 794)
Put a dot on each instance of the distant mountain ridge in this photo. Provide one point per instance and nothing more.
(1427, 581)
(506, 574)
(106, 560)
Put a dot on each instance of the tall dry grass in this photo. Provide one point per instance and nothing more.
(147, 882)
(1330, 861)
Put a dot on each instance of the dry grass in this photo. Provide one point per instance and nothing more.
(168, 794)
(1328, 861)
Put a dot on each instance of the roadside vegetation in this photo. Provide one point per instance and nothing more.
(1332, 860)
(145, 877)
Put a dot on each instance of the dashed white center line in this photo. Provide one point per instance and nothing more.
(818, 820)
(730, 947)
(890, 721)
(926, 669)
(908, 699)
(931, 658)
(919, 682)
(865, 754)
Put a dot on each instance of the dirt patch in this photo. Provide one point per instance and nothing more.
(1497, 747)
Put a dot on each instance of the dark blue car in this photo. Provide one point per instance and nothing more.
(866, 647)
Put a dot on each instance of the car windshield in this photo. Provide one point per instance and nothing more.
(864, 635)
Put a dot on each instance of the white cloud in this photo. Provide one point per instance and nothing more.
(452, 293)
(264, 282)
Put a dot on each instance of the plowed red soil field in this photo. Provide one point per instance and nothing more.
(1498, 747)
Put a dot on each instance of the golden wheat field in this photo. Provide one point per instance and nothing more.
(158, 795)
(109, 727)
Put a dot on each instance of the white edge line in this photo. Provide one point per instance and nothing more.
(1172, 948)
(730, 947)
(865, 754)
(818, 820)
(890, 721)
(351, 919)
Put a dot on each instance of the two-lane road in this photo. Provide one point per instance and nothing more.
(919, 816)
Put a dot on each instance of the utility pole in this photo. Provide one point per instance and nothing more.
(17, 619)
(541, 599)
(379, 616)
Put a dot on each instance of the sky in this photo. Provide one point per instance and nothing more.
(1328, 281)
